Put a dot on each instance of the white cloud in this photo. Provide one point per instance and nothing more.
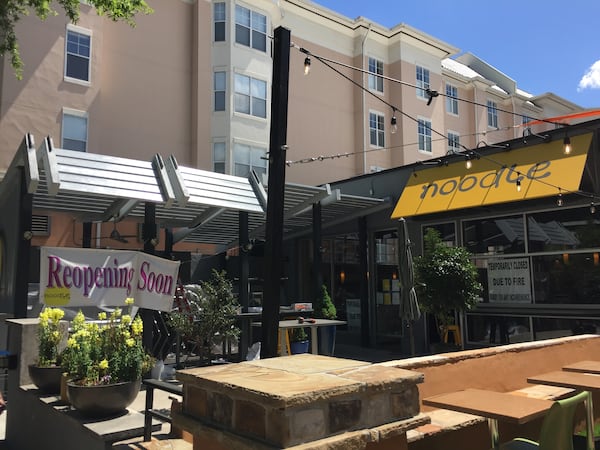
(591, 78)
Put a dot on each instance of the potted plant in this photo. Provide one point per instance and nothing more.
(210, 315)
(324, 308)
(299, 342)
(47, 371)
(105, 361)
(447, 280)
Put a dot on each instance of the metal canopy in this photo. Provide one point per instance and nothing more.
(198, 205)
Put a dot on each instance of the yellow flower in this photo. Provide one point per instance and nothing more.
(137, 327)
(126, 319)
(129, 301)
(72, 342)
(55, 314)
(102, 316)
(130, 342)
(103, 364)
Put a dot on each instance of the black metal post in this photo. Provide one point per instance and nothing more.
(244, 287)
(148, 235)
(364, 282)
(317, 255)
(24, 250)
(276, 189)
(87, 235)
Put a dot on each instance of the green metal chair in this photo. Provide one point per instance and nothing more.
(557, 427)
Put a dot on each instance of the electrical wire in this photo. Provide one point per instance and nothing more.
(328, 63)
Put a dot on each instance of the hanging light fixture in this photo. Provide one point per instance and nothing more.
(468, 162)
(592, 208)
(518, 184)
(306, 65)
(559, 199)
(394, 123)
(567, 145)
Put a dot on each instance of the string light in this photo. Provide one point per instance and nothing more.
(592, 208)
(468, 162)
(306, 65)
(559, 199)
(567, 145)
(394, 122)
(432, 94)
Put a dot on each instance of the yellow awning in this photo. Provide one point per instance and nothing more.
(542, 169)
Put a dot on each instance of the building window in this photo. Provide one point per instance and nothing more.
(219, 21)
(250, 96)
(74, 130)
(525, 119)
(375, 68)
(424, 134)
(422, 82)
(219, 157)
(376, 130)
(78, 55)
(451, 99)
(250, 28)
(453, 142)
(220, 82)
(492, 113)
(247, 158)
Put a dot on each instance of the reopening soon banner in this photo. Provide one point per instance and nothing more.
(96, 277)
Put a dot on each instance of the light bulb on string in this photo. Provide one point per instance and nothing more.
(559, 199)
(567, 145)
(394, 124)
(592, 208)
(306, 65)
(518, 185)
(468, 162)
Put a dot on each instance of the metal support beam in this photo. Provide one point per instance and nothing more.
(276, 191)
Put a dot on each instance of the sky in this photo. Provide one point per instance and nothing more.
(544, 45)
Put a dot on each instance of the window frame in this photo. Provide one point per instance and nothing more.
(453, 148)
(378, 131)
(424, 139)
(452, 99)
(422, 81)
(218, 160)
(74, 113)
(74, 29)
(250, 96)
(252, 29)
(217, 91)
(375, 81)
(492, 114)
(255, 154)
(218, 21)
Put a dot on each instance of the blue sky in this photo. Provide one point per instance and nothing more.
(545, 46)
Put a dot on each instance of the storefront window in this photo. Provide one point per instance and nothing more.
(567, 278)
(563, 229)
(486, 330)
(547, 328)
(447, 232)
(389, 323)
(496, 236)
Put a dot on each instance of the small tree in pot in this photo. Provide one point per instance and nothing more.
(325, 309)
(447, 280)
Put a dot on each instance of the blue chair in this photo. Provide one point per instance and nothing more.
(557, 427)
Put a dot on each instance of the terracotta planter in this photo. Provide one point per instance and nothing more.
(103, 401)
(47, 379)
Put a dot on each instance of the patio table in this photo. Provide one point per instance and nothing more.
(285, 325)
(579, 381)
(493, 406)
(584, 366)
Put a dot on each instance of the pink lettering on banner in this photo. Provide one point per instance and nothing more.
(153, 282)
(88, 278)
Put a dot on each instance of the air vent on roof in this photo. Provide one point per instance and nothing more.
(40, 225)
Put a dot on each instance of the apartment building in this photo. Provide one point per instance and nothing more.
(193, 80)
